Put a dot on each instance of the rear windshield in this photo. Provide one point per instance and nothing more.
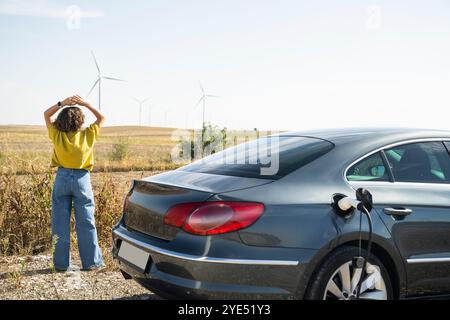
(264, 158)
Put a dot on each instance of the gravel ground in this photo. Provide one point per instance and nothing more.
(32, 277)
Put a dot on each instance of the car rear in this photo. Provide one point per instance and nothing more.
(176, 239)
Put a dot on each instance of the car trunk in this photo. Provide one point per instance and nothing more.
(150, 198)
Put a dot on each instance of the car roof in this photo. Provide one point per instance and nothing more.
(371, 135)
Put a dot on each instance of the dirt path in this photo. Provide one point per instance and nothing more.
(32, 277)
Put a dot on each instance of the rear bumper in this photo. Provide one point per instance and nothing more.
(266, 273)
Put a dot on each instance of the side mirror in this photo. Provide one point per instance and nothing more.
(377, 171)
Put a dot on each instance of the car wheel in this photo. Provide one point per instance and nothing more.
(337, 279)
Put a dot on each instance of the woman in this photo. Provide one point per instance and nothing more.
(73, 155)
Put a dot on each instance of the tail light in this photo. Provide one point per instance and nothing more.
(207, 218)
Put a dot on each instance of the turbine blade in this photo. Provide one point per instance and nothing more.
(95, 83)
(146, 99)
(201, 99)
(115, 79)
(212, 96)
(95, 60)
(201, 87)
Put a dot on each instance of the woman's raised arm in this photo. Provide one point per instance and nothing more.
(53, 109)
(100, 117)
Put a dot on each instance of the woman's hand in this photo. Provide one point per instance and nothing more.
(78, 100)
(68, 101)
(100, 118)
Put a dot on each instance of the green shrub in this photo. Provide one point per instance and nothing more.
(121, 150)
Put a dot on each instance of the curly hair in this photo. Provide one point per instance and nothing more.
(69, 119)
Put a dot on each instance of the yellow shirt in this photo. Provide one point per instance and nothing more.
(73, 150)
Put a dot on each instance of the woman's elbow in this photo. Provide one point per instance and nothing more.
(101, 120)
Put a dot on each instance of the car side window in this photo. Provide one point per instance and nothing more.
(369, 169)
(426, 162)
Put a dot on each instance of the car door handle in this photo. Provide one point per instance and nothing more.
(397, 211)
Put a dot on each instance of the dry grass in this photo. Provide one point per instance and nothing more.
(25, 211)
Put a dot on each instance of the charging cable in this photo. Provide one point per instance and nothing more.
(364, 204)
(369, 247)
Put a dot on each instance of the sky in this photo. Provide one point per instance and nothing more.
(275, 65)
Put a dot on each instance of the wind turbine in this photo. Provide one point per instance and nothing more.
(203, 99)
(99, 81)
(140, 102)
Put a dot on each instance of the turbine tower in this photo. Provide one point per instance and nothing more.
(140, 102)
(203, 99)
(99, 81)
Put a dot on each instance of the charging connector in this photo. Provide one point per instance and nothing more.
(345, 206)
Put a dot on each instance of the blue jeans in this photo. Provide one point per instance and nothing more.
(74, 185)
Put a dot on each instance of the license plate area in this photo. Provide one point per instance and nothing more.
(133, 255)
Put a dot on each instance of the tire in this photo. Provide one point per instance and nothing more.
(334, 268)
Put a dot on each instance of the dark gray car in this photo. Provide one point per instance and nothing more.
(214, 230)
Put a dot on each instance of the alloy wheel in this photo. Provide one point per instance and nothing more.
(343, 283)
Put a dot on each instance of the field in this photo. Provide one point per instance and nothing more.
(26, 180)
(121, 154)
(27, 149)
